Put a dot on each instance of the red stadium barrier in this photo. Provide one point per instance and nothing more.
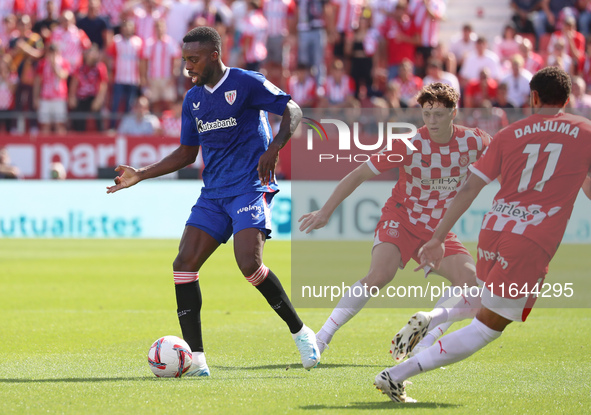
(84, 154)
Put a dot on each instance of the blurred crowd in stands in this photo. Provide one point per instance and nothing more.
(115, 65)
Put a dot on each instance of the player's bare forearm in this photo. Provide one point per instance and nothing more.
(319, 218)
(179, 158)
(290, 121)
(433, 251)
(346, 186)
(460, 203)
(268, 161)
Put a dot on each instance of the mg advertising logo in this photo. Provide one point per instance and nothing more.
(387, 133)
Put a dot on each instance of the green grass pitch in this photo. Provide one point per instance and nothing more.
(78, 317)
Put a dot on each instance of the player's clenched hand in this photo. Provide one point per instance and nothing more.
(313, 220)
(431, 254)
(129, 177)
(267, 163)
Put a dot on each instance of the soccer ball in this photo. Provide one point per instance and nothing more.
(170, 357)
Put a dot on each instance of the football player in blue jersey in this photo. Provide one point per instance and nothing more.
(225, 114)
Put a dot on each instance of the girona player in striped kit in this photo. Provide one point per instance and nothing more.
(429, 179)
(541, 161)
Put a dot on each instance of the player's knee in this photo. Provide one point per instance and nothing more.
(377, 278)
(248, 266)
(184, 263)
(465, 277)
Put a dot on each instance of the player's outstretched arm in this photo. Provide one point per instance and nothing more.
(587, 186)
(432, 252)
(267, 162)
(319, 218)
(179, 158)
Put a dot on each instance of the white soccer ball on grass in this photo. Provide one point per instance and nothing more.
(170, 357)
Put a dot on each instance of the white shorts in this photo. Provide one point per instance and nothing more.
(54, 110)
(161, 90)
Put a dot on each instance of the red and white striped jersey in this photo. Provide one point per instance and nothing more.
(79, 6)
(27, 7)
(171, 125)
(254, 27)
(586, 71)
(428, 26)
(90, 79)
(541, 162)
(6, 94)
(70, 42)
(126, 54)
(534, 62)
(380, 10)
(112, 9)
(144, 21)
(59, 7)
(431, 176)
(301, 91)
(52, 87)
(276, 12)
(348, 14)
(506, 48)
(160, 55)
(398, 50)
(409, 88)
(337, 93)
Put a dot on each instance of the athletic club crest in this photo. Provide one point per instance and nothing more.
(464, 160)
(230, 96)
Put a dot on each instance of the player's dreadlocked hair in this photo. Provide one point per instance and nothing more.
(438, 92)
(552, 84)
(204, 34)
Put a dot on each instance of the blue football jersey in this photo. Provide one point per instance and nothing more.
(231, 125)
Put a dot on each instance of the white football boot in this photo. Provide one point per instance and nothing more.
(395, 390)
(410, 335)
(199, 366)
(305, 340)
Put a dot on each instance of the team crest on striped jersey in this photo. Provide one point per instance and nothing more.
(464, 160)
(230, 96)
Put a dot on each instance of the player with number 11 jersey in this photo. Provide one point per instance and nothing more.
(546, 149)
